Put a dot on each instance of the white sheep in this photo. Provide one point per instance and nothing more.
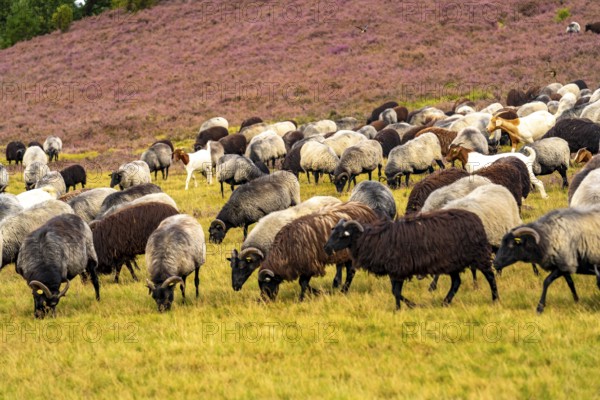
(341, 140)
(317, 158)
(32, 197)
(462, 187)
(588, 192)
(216, 121)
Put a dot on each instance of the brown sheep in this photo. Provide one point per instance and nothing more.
(444, 135)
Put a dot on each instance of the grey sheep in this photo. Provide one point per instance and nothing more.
(375, 195)
(158, 157)
(14, 228)
(472, 138)
(442, 196)
(174, 250)
(369, 131)
(148, 198)
(33, 173)
(237, 170)
(9, 205)
(87, 204)
(346, 123)
(54, 179)
(389, 116)
(130, 174)
(361, 158)
(127, 195)
(3, 178)
(57, 252)
(34, 154)
(414, 157)
(268, 146)
(317, 158)
(216, 151)
(52, 147)
(249, 132)
(342, 140)
(588, 192)
(318, 128)
(551, 154)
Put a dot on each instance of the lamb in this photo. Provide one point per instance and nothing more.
(160, 197)
(445, 136)
(588, 192)
(473, 161)
(342, 140)
(290, 138)
(268, 146)
(234, 144)
(9, 205)
(471, 138)
(200, 160)
(525, 129)
(174, 250)
(57, 252)
(459, 189)
(213, 122)
(258, 243)
(15, 152)
(3, 178)
(15, 228)
(297, 251)
(361, 158)
(425, 187)
(254, 200)
(52, 147)
(552, 154)
(158, 158)
(578, 133)
(573, 27)
(130, 174)
(317, 158)
(439, 242)
(414, 157)
(130, 194)
(87, 204)
(593, 27)
(33, 197)
(376, 196)
(214, 133)
(73, 175)
(121, 236)
(55, 180)
(388, 138)
(238, 170)
(563, 242)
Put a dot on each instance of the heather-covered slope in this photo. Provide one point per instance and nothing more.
(119, 80)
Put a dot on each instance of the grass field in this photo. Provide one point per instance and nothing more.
(228, 344)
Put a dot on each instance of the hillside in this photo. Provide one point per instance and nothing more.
(118, 80)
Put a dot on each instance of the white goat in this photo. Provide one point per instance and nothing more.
(525, 129)
(200, 160)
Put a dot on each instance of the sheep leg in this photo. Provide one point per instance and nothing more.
(197, 281)
(316, 175)
(118, 273)
(489, 276)
(379, 171)
(369, 174)
(407, 180)
(552, 276)
(187, 181)
(84, 277)
(308, 176)
(131, 271)
(182, 287)
(539, 185)
(222, 193)
(571, 286)
(563, 172)
(397, 291)
(350, 271)
(91, 269)
(455, 276)
(433, 284)
(337, 280)
(535, 269)
(135, 264)
(474, 273)
(440, 163)
(246, 230)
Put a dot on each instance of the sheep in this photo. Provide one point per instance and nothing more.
(249, 132)
(525, 129)
(33, 197)
(414, 157)
(346, 123)
(214, 122)
(361, 158)
(471, 138)
(565, 106)
(530, 108)
(588, 192)
(252, 201)
(317, 158)
(213, 133)
(439, 242)
(34, 154)
(582, 156)
(112, 199)
(445, 136)
(592, 112)
(158, 158)
(477, 120)
(54, 179)
(165, 141)
(249, 122)
(411, 133)
(573, 27)
(388, 116)
(35, 144)
(258, 243)
(3, 178)
(593, 27)
(73, 175)
(216, 152)
(319, 127)
(563, 242)
(174, 250)
(87, 205)
(52, 147)
(9, 205)
(33, 173)
(57, 252)
(71, 195)
(290, 138)
(122, 236)
(237, 170)
(551, 154)
(425, 114)
(425, 187)
(160, 197)
(268, 146)
(378, 110)
(376, 196)
(15, 228)
(130, 174)
(456, 190)
(297, 250)
(511, 173)
(368, 131)
(388, 138)
(15, 152)
(234, 144)
(281, 128)
(200, 160)
(342, 140)
(473, 161)
(517, 97)
(491, 109)
(578, 133)
(291, 162)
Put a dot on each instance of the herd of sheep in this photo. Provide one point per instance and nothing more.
(455, 218)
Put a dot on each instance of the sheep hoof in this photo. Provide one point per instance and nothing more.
(433, 287)
(540, 308)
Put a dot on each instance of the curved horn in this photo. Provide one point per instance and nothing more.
(64, 291)
(39, 285)
(354, 223)
(150, 285)
(251, 250)
(265, 275)
(172, 280)
(220, 223)
(382, 178)
(525, 230)
(344, 174)
(396, 176)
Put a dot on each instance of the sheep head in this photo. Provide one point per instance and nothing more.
(340, 181)
(115, 178)
(164, 294)
(268, 283)
(342, 236)
(44, 300)
(457, 152)
(217, 231)
(243, 265)
(521, 244)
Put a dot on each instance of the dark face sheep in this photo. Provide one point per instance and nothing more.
(341, 180)
(45, 300)
(269, 284)
(521, 244)
(217, 231)
(115, 178)
(243, 265)
(163, 294)
(342, 235)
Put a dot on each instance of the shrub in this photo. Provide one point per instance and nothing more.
(62, 17)
(562, 14)
(133, 5)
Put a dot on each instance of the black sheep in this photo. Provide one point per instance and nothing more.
(375, 113)
(35, 143)
(517, 97)
(14, 152)
(290, 138)
(593, 27)
(578, 132)
(234, 144)
(439, 242)
(250, 121)
(291, 162)
(425, 187)
(511, 173)
(73, 175)
(214, 133)
(165, 141)
(389, 139)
